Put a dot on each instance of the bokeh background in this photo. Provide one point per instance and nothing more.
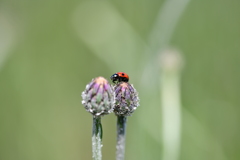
(50, 50)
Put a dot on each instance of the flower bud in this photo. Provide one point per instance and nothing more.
(98, 97)
(126, 99)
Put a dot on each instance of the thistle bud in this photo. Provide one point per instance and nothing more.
(98, 97)
(126, 99)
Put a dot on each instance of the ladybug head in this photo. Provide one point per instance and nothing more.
(114, 77)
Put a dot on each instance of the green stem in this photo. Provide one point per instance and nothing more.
(121, 130)
(97, 138)
(171, 104)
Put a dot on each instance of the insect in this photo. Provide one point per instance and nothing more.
(119, 77)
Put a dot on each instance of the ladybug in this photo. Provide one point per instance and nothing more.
(119, 77)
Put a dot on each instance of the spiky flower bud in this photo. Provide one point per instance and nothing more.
(98, 97)
(126, 98)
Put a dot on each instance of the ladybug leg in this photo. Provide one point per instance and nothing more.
(114, 81)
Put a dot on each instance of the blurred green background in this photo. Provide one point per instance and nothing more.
(50, 50)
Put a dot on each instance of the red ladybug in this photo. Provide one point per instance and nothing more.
(119, 77)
